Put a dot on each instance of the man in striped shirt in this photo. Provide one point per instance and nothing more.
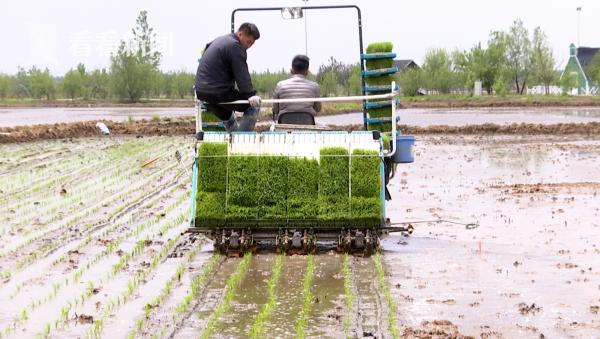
(297, 87)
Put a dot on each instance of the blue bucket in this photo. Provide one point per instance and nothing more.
(404, 149)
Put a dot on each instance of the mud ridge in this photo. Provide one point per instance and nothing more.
(186, 126)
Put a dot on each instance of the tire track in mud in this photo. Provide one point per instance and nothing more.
(369, 318)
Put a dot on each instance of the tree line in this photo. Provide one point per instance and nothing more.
(509, 62)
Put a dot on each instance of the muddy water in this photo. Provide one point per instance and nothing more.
(33, 116)
(289, 299)
(532, 266)
(248, 299)
(460, 117)
(328, 309)
(210, 298)
(413, 117)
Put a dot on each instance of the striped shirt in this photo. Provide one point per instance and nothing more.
(297, 87)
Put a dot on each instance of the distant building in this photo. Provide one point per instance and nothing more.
(403, 65)
(579, 59)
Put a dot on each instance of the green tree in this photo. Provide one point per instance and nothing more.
(42, 83)
(99, 84)
(265, 82)
(134, 70)
(21, 84)
(437, 70)
(130, 78)
(542, 60)
(354, 86)
(71, 84)
(75, 83)
(568, 82)
(518, 55)
(483, 64)
(410, 82)
(4, 85)
(182, 84)
(461, 79)
(144, 39)
(593, 70)
(329, 84)
(341, 70)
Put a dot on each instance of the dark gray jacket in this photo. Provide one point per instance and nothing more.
(223, 65)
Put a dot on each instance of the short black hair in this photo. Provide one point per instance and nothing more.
(250, 29)
(300, 63)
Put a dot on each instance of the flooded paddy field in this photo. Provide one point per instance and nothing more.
(422, 117)
(94, 245)
(531, 268)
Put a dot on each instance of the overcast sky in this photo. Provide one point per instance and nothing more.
(59, 34)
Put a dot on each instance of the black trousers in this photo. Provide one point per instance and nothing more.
(223, 112)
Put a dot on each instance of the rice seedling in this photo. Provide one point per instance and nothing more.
(242, 187)
(380, 126)
(392, 327)
(308, 298)
(233, 283)
(303, 189)
(32, 256)
(334, 175)
(385, 80)
(117, 172)
(134, 283)
(380, 112)
(349, 294)
(164, 293)
(380, 47)
(123, 261)
(272, 187)
(256, 331)
(373, 64)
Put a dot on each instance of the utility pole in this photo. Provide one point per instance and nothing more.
(305, 31)
(578, 26)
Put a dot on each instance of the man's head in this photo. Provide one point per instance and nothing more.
(247, 33)
(300, 64)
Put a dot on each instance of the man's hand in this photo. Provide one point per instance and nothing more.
(254, 101)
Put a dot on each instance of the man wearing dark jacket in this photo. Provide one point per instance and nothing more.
(222, 66)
